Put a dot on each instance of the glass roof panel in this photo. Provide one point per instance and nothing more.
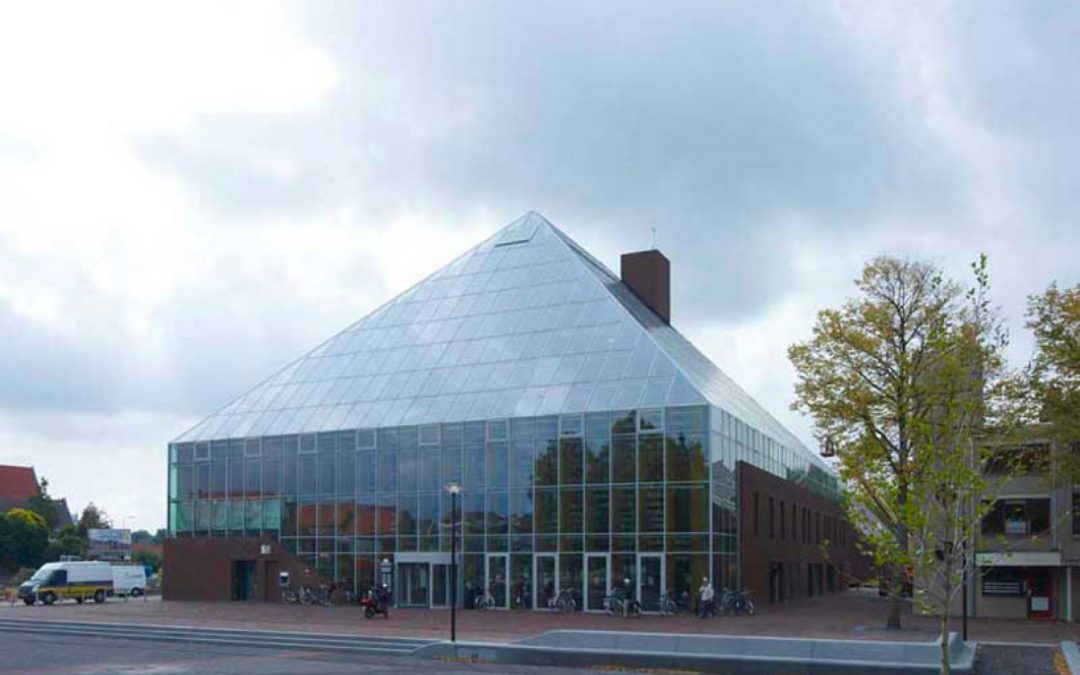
(525, 323)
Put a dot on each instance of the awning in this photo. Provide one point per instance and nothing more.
(1019, 559)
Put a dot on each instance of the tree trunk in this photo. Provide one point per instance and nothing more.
(898, 572)
(896, 590)
(946, 665)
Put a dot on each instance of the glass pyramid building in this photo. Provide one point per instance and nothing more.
(585, 430)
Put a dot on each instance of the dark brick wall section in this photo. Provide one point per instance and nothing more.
(648, 274)
(784, 557)
(200, 568)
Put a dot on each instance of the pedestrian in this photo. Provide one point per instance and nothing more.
(706, 599)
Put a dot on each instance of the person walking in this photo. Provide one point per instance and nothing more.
(706, 599)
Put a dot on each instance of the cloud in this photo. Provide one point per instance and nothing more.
(192, 197)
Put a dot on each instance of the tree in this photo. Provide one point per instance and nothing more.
(43, 505)
(67, 542)
(896, 381)
(93, 518)
(151, 558)
(1054, 374)
(24, 537)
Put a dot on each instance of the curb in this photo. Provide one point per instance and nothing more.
(1072, 656)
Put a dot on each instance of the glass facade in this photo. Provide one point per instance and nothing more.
(594, 445)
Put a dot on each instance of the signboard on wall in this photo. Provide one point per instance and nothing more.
(109, 544)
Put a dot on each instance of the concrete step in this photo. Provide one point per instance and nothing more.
(238, 637)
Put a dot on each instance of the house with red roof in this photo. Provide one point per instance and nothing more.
(19, 484)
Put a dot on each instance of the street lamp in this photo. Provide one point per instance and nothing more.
(454, 489)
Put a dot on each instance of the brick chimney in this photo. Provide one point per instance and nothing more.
(648, 274)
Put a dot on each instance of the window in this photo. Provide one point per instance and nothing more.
(757, 528)
(783, 521)
(1029, 459)
(772, 519)
(1004, 582)
(1076, 510)
(1018, 517)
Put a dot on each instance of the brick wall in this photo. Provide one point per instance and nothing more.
(200, 568)
(793, 542)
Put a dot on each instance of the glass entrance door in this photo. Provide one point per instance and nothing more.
(546, 577)
(414, 589)
(497, 570)
(440, 588)
(597, 576)
(650, 581)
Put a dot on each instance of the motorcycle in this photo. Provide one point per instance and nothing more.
(376, 602)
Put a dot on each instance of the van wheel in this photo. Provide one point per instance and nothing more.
(28, 601)
(136, 592)
(49, 598)
(79, 600)
(99, 596)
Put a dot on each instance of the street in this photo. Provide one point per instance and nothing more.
(44, 654)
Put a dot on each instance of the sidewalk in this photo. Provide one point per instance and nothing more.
(852, 615)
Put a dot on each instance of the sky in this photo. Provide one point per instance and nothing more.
(194, 194)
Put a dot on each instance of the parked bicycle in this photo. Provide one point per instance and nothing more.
(483, 600)
(619, 602)
(736, 602)
(669, 606)
(563, 602)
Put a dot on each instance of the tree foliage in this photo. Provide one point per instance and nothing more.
(902, 381)
(92, 518)
(43, 505)
(1054, 375)
(24, 538)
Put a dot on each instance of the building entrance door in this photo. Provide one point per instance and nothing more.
(243, 580)
(546, 580)
(1040, 590)
(414, 586)
(495, 579)
(597, 578)
(651, 582)
(440, 585)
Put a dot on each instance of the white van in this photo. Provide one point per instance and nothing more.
(78, 580)
(129, 580)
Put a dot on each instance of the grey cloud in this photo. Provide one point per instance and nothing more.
(709, 121)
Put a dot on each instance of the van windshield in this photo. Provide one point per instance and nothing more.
(43, 573)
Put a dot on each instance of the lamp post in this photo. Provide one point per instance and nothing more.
(964, 562)
(454, 489)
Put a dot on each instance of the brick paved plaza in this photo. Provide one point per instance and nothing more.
(853, 615)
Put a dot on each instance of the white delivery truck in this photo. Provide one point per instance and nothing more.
(77, 580)
(129, 580)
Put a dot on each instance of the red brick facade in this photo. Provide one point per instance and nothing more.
(203, 568)
(794, 543)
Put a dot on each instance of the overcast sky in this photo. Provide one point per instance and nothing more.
(191, 196)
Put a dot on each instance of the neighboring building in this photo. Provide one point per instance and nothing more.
(1030, 542)
(594, 444)
(19, 484)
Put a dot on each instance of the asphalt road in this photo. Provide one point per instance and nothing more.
(47, 655)
(1012, 659)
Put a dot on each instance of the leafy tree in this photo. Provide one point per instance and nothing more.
(141, 536)
(67, 542)
(43, 505)
(1054, 375)
(24, 537)
(901, 381)
(150, 558)
(92, 518)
